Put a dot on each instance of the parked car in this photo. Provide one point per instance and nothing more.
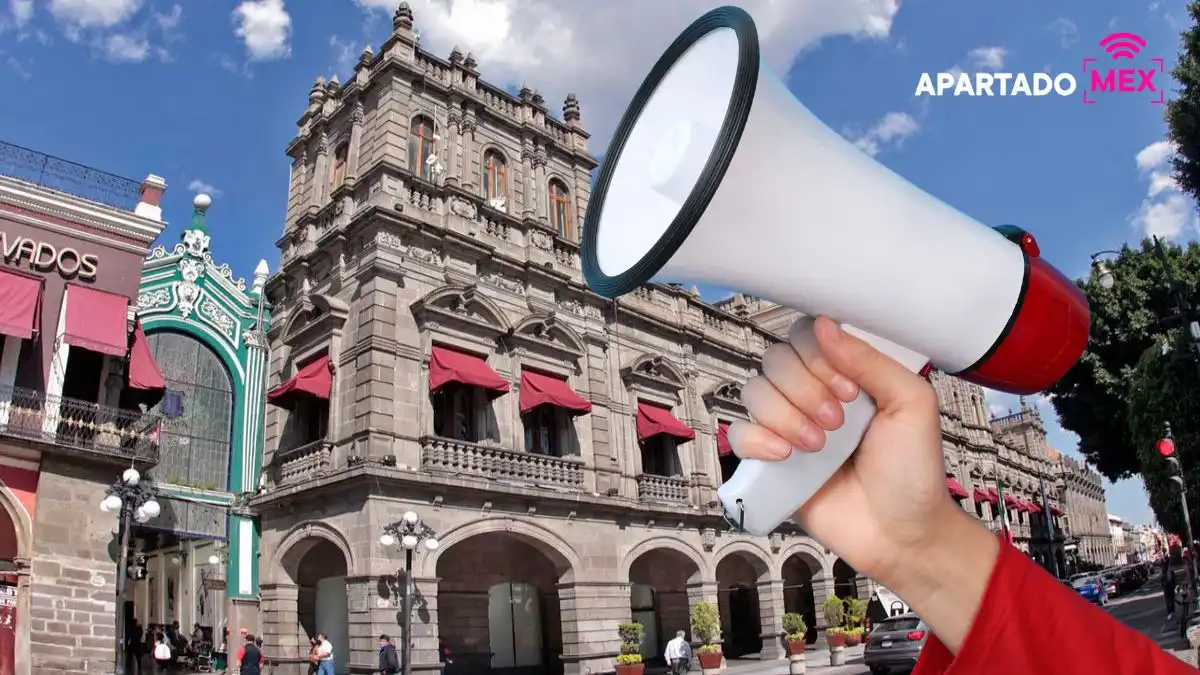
(1091, 588)
(895, 643)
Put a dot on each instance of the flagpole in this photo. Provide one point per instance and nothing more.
(1049, 527)
(1008, 533)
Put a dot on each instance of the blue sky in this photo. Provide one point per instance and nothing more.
(206, 94)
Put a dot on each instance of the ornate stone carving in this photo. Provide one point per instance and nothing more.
(463, 208)
(389, 240)
(358, 113)
(158, 297)
(708, 538)
(196, 242)
(503, 282)
(213, 314)
(541, 239)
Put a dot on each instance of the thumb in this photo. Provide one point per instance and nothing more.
(893, 386)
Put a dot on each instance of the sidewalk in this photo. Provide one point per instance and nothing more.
(817, 661)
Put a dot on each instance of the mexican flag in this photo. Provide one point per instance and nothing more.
(1004, 522)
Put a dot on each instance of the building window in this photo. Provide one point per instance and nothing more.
(421, 147)
(659, 456)
(979, 510)
(339, 166)
(550, 431)
(560, 209)
(455, 409)
(194, 444)
(311, 416)
(495, 175)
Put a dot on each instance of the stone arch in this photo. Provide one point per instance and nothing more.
(546, 327)
(316, 313)
(657, 368)
(463, 302)
(647, 545)
(22, 524)
(845, 579)
(299, 541)
(801, 566)
(812, 555)
(740, 567)
(727, 392)
(753, 554)
(21, 519)
(554, 547)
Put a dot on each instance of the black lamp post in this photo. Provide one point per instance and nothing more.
(409, 532)
(134, 502)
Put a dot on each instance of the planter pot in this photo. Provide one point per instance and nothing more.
(796, 661)
(631, 669)
(835, 640)
(710, 662)
(837, 655)
(797, 646)
(853, 640)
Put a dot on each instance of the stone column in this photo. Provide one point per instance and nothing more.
(770, 611)
(542, 189)
(425, 625)
(469, 149)
(529, 196)
(863, 587)
(319, 187)
(590, 614)
(355, 152)
(704, 591)
(282, 636)
(823, 589)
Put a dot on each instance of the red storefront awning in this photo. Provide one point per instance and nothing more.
(447, 365)
(96, 320)
(1055, 511)
(144, 373)
(723, 446)
(538, 389)
(956, 489)
(985, 496)
(993, 496)
(653, 420)
(20, 304)
(314, 379)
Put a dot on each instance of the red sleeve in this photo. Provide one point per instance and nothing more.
(241, 654)
(1026, 615)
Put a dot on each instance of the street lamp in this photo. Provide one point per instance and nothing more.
(1103, 270)
(410, 533)
(134, 502)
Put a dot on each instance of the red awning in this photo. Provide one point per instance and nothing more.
(956, 489)
(982, 495)
(723, 446)
(1012, 502)
(447, 365)
(538, 389)
(314, 379)
(144, 373)
(993, 496)
(1055, 511)
(20, 303)
(653, 420)
(96, 321)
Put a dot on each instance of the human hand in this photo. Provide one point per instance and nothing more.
(886, 511)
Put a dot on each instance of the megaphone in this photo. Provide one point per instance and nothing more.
(717, 175)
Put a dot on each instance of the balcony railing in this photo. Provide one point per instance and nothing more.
(71, 423)
(302, 462)
(671, 489)
(445, 455)
(53, 173)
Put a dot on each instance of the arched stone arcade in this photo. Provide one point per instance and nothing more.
(663, 581)
(746, 614)
(800, 571)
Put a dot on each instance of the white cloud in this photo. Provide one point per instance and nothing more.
(76, 16)
(171, 20)
(22, 12)
(265, 27)
(345, 55)
(200, 187)
(987, 58)
(889, 132)
(602, 50)
(124, 48)
(1068, 32)
(1165, 211)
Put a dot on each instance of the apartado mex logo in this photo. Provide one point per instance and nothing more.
(1140, 76)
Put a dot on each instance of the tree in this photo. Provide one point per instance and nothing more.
(1092, 400)
(1165, 388)
(1183, 112)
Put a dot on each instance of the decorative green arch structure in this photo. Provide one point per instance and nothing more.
(184, 290)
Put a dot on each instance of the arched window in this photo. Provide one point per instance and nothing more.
(560, 208)
(495, 175)
(197, 411)
(421, 147)
(339, 165)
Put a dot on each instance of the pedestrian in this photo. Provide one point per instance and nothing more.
(250, 657)
(444, 655)
(324, 655)
(1168, 587)
(313, 657)
(991, 610)
(678, 653)
(161, 653)
(389, 663)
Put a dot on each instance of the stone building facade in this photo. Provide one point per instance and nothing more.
(73, 368)
(1087, 509)
(431, 313)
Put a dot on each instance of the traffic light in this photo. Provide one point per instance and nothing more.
(1166, 448)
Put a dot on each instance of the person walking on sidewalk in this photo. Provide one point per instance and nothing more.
(678, 654)
(1168, 587)
(324, 655)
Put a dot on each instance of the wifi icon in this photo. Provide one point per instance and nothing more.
(1123, 45)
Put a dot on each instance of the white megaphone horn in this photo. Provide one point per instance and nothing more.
(717, 175)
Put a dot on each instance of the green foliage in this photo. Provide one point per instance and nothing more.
(794, 626)
(834, 610)
(631, 633)
(856, 612)
(836, 630)
(1092, 399)
(628, 659)
(1183, 112)
(708, 648)
(706, 622)
(854, 632)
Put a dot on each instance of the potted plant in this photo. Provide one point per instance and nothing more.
(629, 661)
(706, 622)
(856, 612)
(835, 636)
(795, 628)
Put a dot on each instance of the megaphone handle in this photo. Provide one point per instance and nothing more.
(762, 495)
